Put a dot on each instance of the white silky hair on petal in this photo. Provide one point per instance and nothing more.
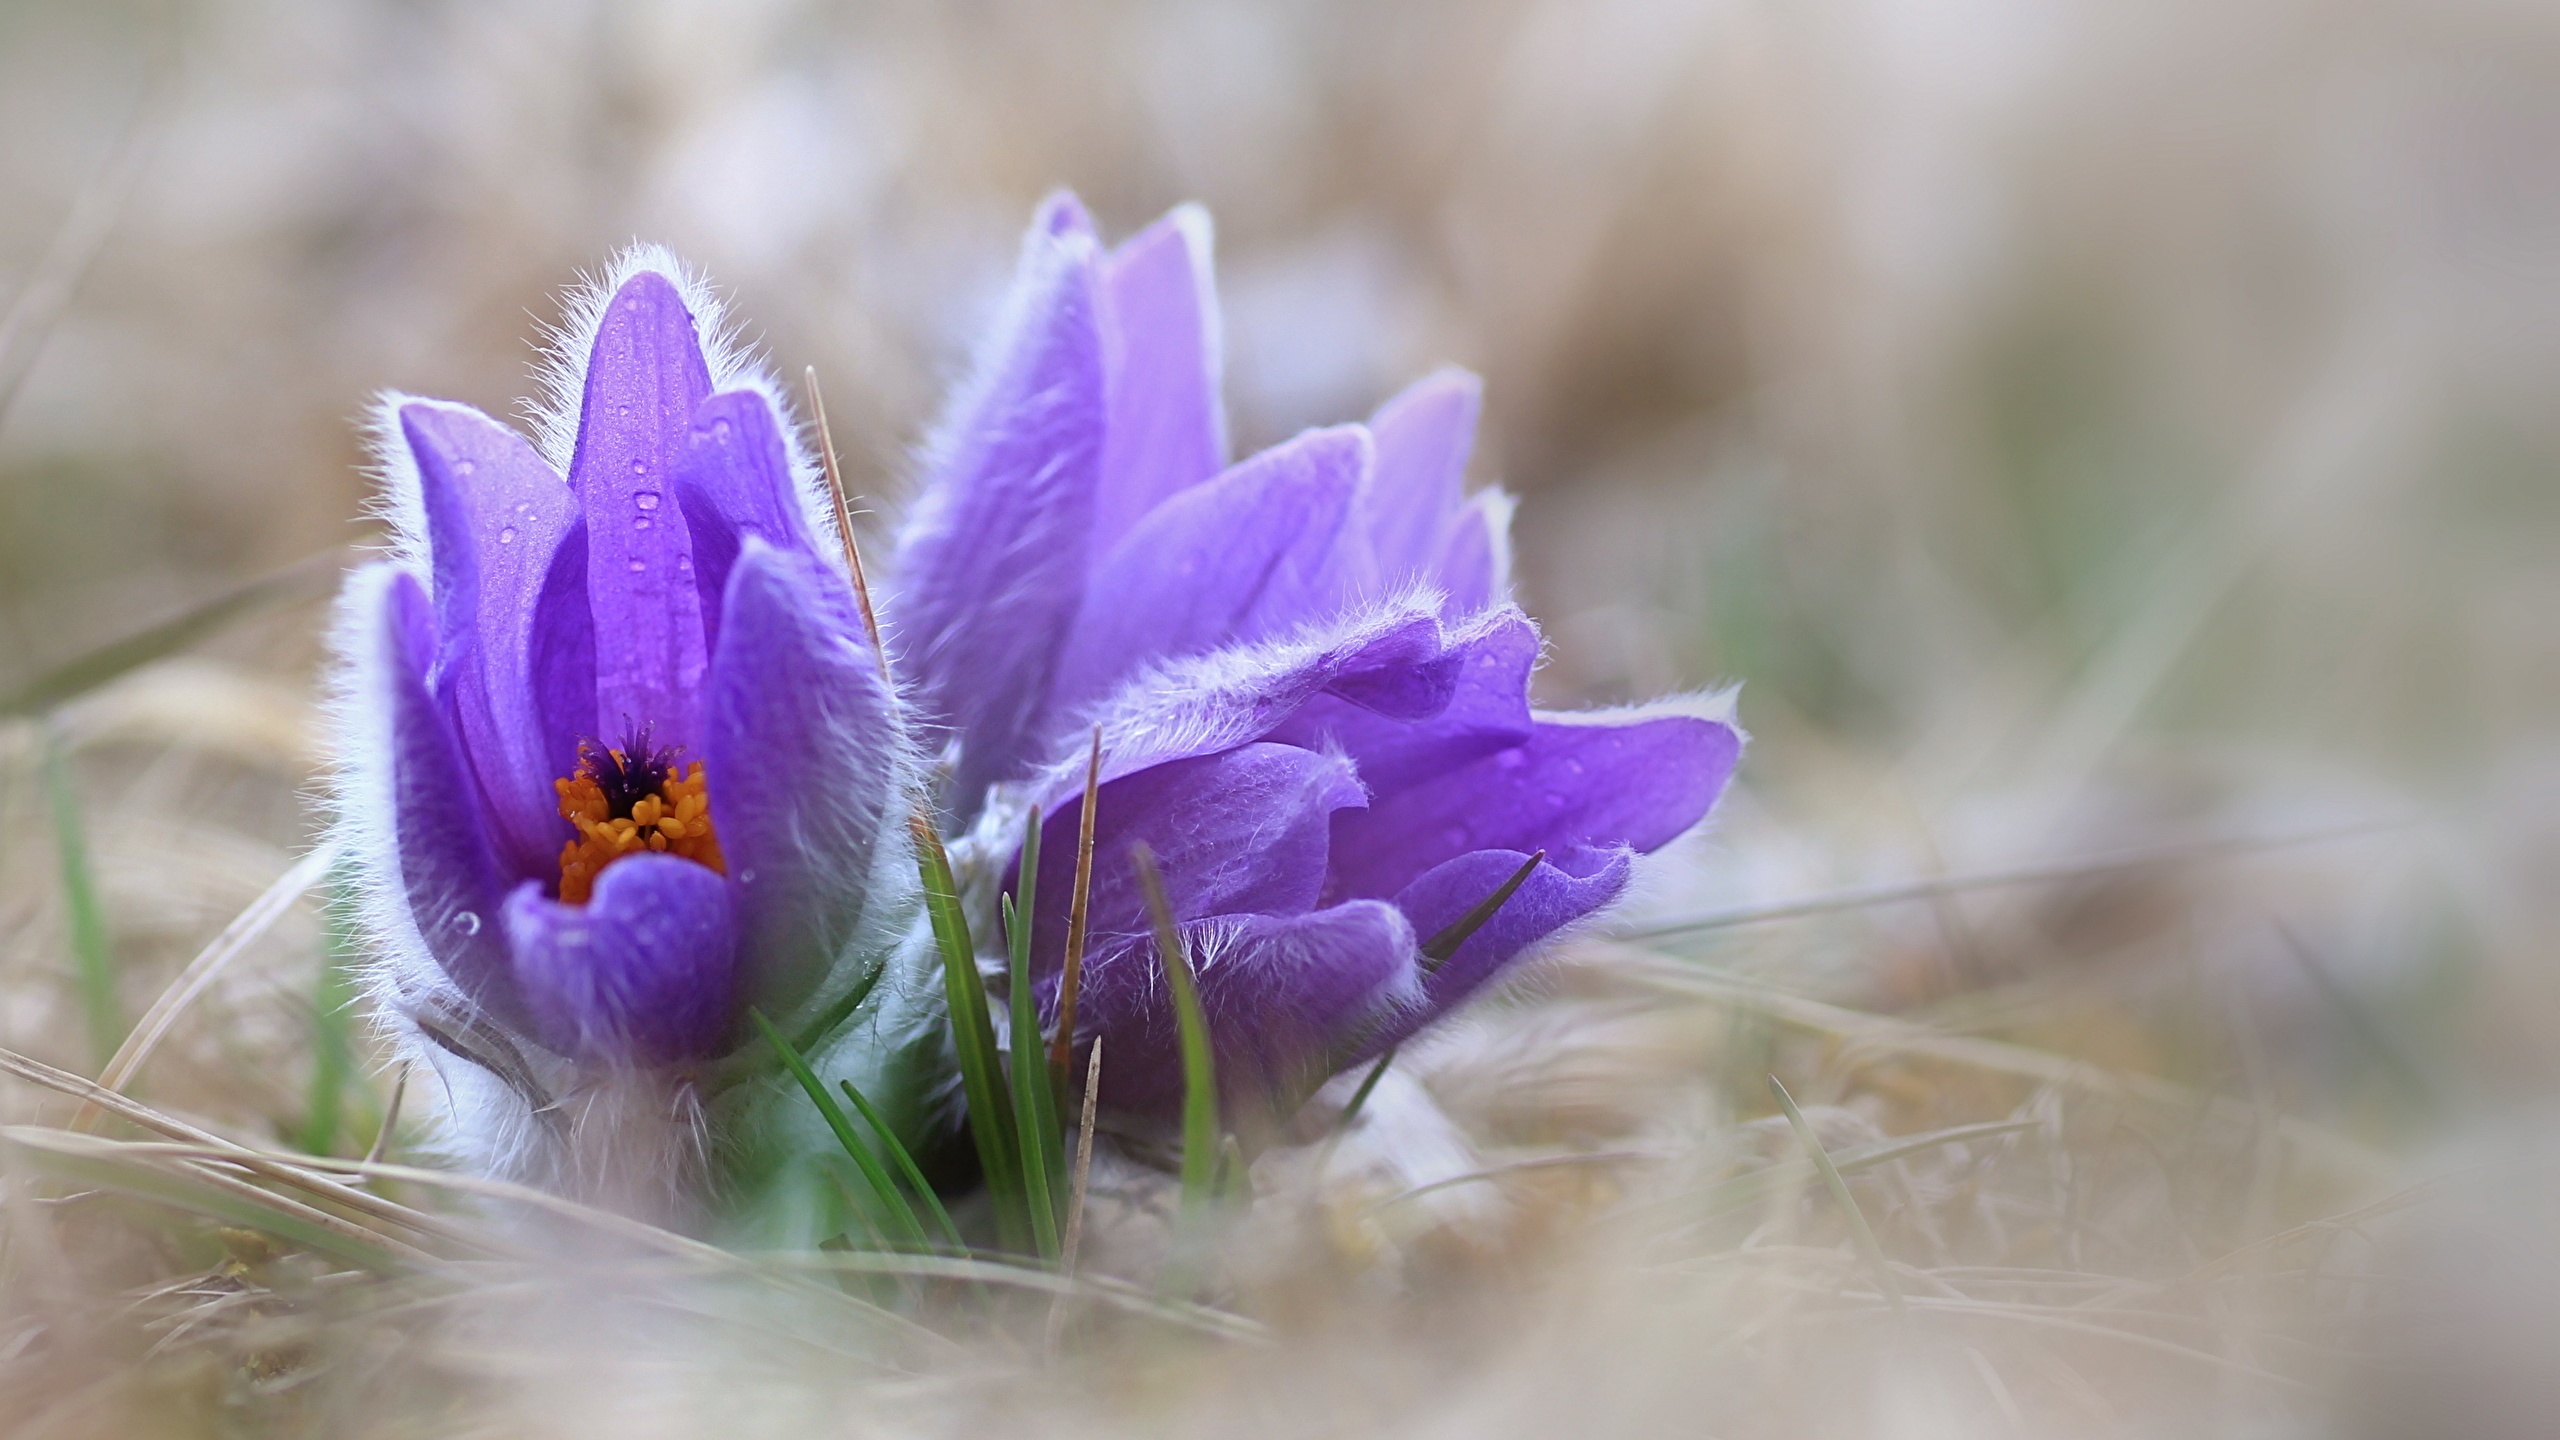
(1491, 507)
(928, 519)
(560, 374)
(399, 496)
(481, 1120)
(1174, 704)
(1200, 236)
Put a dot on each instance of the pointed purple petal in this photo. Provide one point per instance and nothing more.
(1242, 830)
(1160, 345)
(1245, 557)
(805, 767)
(1395, 659)
(1281, 992)
(645, 380)
(1570, 886)
(496, 520)
(1474, 566)
(734, 480)
(447, 870)
(992, 567)
(645, 972)
(1062, 216)
(1591, 782)
(1423, 435)
(1487, 710)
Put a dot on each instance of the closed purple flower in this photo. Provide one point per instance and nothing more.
(618, 762)
(1311, 687)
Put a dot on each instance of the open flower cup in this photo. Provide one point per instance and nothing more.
(619, 763)
(1308, 680)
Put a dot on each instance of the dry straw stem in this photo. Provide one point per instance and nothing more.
(1865, 1035)
(200, 973)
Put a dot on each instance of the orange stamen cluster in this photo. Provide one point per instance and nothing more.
(673, 820)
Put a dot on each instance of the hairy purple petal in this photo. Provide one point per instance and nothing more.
(1487, 709)
(734, 480)
(1282, 993)
(1474, 565)
(496, 520)
(1397, 660)
(645, 379)
(1240, 830)
(1570, 886)
(1160, 345)
(645, 972)
(447, 870)
(992, 569)
(805, 767)
(1238, 559)
(1636, 783)
(1423, 436)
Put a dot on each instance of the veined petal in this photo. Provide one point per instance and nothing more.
(1281, 993)
(1424, 435)
(1570, 886)
(645, 379)
(497, 517)
(645, 972)
(1602, 780)
(734, 480)
(808, 771)
(1245, 557)
(1397, 659)
(1487, 710)
(992, 567)
(1160, 352)
(1474, 565)
(446, 869)
(1240, 830)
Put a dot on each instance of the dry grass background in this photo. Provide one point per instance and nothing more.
(2083, 426)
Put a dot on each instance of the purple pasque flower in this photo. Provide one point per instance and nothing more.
(1079, 519)
(617, 759)
(1311, 689)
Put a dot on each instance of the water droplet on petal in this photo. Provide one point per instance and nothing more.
(469, 921)
(623, 411)
(645, 499)
(465, 467)
(746, 877)
(641, 522)
(639, 565)
(720, 428)
(1511, 759)
(506, 534)
(639, 466)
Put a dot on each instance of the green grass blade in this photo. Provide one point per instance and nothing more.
(973, 1034)
(1435, 953)
(333, 1048)
(1200, 1150)
(907, 1166)
(1079, 903)
(93, 962)
(97, 1164)
(86, 672)
(893, 1203)
(1839, 1188)
(1035, 1110)
(1437, 950)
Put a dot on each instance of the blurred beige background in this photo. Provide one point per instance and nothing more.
(2079, 424)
